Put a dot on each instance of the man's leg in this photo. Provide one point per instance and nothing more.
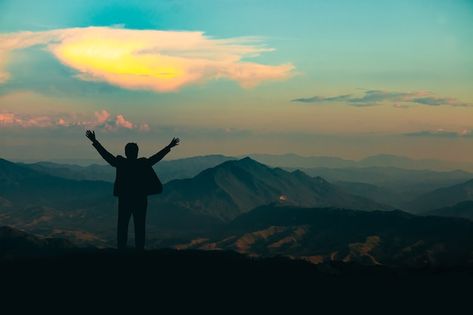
(139, 219)
(124, 213)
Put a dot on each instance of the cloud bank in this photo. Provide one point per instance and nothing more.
(101, 120)
(377, 97)
(160, 61)
(465, 133)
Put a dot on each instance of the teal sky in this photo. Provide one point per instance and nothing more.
(345, 78)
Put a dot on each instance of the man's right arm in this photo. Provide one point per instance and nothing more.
(107, 156)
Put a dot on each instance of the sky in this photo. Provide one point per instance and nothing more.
(339, 78)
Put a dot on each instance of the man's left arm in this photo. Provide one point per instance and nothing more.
(155, 158)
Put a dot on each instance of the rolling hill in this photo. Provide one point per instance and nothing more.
(442, 197)
(319, 235)
(16, 242)
(462, 209)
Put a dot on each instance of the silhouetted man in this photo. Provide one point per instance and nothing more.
(135, 180)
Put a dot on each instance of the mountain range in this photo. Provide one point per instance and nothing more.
(237, 186)
(85, 210)
(198, 210)
(191, 166)
(389, 185)
(320, 235)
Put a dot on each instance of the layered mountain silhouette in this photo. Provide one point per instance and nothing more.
(391, 185)
(76, 172)
(197, 211)
(384, 184)
(392, 178)
(84, 210)
(374, 169)
(167, 169)
(380, 160)
(24, 186)
(373, 192)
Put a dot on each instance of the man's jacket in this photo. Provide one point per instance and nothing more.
(134, 177)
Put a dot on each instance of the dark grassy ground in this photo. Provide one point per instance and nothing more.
(206, 280)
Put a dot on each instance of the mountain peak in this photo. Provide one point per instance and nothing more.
(244, 162)
(247, 159)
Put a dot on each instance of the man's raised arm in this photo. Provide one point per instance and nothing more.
(158, 156)
(107, 156)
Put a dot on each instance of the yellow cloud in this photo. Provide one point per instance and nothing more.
(146, 59)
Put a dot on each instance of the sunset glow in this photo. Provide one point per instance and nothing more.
(313, 77)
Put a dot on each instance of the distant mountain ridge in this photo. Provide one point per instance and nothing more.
(166, 169)
(74, 172)
(25, 186)
(443, 197)
(389, 185)
(391, 177)
(462, 209)
(191, 166)
(380, 160)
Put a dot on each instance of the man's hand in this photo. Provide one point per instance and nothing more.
(174, 142)
(91, 135)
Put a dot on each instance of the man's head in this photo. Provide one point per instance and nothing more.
(131, 151)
